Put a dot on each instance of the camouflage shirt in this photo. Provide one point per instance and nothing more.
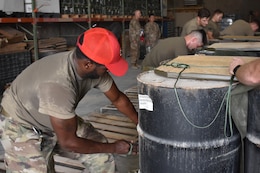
(134, 30)
(152, 33)
(214, 28)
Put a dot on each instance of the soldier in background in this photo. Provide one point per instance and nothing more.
(199, 22)
(213, 28)
(242, 28)
(134, 38)
(169, 48)
(152, 33)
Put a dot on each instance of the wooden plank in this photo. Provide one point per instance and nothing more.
(65, 169)
(133, 89)
(200, 67)
(63, 161)
(117, 136)
(111, 128)
(13, 35)
(109, 116)
(2, 166)
(236, 46)
(240, 38)
(112, 122)
(16, 47)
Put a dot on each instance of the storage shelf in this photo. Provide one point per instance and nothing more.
(42, 20)
(71, 19)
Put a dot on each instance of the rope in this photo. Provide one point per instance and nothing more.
(227, 97)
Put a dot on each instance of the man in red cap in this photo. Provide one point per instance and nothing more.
(38, 110)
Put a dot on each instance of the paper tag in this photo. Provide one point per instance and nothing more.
(145, 102)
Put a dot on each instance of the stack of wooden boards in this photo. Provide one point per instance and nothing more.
(199, 67)
(49, 46)
(13, 40)
(131, 93)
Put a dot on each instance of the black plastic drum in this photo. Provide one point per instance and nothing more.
(175, 140)
(252, 151)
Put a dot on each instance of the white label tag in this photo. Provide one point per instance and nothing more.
(145, 102)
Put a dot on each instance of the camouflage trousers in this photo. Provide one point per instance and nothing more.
(134, 51)
(26, 151)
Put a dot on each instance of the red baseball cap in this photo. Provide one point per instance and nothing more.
(101, 46)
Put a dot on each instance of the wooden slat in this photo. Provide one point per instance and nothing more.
(117, 136)
(200, 67)
(113, 127)
(112, 122)
(66, 162)
(109, 116)
(123, 130)
(2, 166)
(133, 89)
(236, 46)
(65, 169)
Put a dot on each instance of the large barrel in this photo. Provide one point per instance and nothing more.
(172, 140)
(252, 141)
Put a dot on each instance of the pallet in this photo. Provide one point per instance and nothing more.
(113, 127)
(131, 93)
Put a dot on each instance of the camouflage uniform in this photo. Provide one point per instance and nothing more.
(36, 150)
(214, 28)
(30, 149)
(134, 37)
(152, 34)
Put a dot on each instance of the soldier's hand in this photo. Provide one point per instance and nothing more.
(125, 147)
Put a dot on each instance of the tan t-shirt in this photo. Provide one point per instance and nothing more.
(49, 87)
(190, 26)
(239, 27)
(168, 48)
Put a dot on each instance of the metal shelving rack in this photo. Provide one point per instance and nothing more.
(93, 11)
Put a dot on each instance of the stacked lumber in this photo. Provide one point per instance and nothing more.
(11, 40)
(49, 46)
(57, 43)
(131, 93)
(113, 127)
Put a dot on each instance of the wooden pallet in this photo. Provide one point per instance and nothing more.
(113, 127)
(131, 93)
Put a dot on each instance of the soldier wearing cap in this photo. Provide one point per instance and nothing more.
(39, 107)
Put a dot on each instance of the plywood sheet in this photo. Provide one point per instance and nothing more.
(200, 67)
(240, 38)
(236, 46)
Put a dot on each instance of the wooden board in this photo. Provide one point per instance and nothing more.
(200, 67)
(240, 38)
(236, 46)
(113, 127)
(131, 93)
